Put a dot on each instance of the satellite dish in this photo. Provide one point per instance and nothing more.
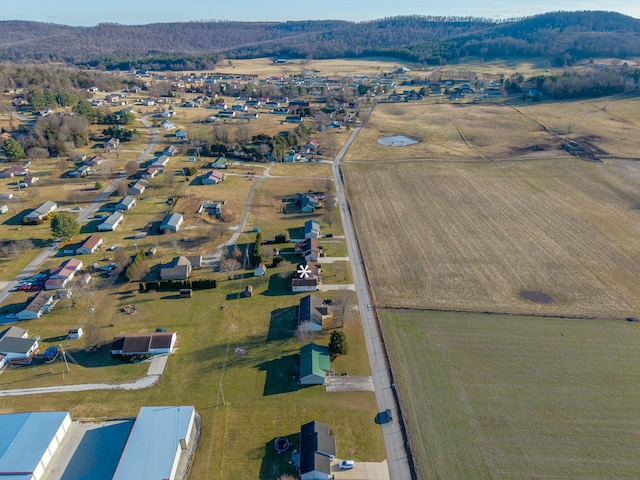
(303, 271)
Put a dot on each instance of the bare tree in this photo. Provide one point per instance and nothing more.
(218, 230)
(123, 188)
(304, 333)
(93, 335)
(243, 133)
(105, 169)
(131, 167)
(329, 215)
(266, 252)
(230, 265)
(137, 271)
(342, 305)
(122, 260)
(284, 269)
(221, 133)
(37, 152)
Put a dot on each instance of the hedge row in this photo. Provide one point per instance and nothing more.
(203, 284)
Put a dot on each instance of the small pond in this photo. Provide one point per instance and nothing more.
(396, 141)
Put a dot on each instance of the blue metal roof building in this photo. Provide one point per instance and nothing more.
(28, 441)
(155, 445)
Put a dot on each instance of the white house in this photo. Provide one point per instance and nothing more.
(156, 343)
(311, 229)
(90, 245)
(112, 222)
(126, 204)
(213, 177)
(171, 223)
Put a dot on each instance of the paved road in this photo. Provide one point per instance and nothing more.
(84, 215)
(397, 456)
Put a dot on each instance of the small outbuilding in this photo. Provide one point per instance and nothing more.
(171, 223)
(75, 333)
(90, 245)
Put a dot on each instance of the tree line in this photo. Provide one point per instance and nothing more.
(432, 40)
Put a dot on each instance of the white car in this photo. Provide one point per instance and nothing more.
(347, 464)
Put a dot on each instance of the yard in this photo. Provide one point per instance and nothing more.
(235, 365)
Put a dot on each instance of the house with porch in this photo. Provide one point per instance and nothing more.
(37, 305)
(312, 312)
(40, 213)
(90, 245)
(317, 449)
(156, 343)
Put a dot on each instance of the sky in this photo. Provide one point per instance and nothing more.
(136, 12)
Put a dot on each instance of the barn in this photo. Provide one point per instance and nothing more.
(29, 441)
(160, 437)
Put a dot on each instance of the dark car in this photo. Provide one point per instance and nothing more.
(389, 415)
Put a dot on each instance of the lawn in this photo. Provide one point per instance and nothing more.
(260, 401)
(472, 236)
(508, 397)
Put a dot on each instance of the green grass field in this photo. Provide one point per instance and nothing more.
(260, 401)
(509, 397)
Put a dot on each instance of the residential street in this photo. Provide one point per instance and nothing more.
(84, 215)
(397, 457)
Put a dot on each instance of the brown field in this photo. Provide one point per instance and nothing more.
(612, 124)
(471, 236)
(264, 67)
(447, 131)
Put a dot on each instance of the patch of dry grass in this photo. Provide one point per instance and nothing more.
(447, 131)
(471, 236)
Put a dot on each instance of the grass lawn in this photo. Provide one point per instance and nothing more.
(260, 400)
(508, 397)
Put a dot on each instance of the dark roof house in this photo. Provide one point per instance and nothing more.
(317, 447)
(155, 343)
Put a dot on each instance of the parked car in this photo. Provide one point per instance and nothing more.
(347, 464)
(389, 415)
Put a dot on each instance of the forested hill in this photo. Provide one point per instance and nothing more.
(563, 36)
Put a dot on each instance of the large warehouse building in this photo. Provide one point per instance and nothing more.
(159, 437)
(28, 442)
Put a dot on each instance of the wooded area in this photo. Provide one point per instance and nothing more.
(563, 36)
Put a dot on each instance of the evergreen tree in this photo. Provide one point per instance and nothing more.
(338, 343)
(12, 149)
(64, 225)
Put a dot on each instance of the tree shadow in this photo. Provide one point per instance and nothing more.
(280, 375)
(275, 464)
(282, 324)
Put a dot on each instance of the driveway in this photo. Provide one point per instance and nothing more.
(348, 383)
(362, 471)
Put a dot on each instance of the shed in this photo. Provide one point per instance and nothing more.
(75, 333)
(171, 223)
(4, 209)
(248, 291)
(260, 270)
(186, 293)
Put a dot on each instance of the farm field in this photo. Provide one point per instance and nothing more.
(449, 131)
(512, 397)
(472, 236)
